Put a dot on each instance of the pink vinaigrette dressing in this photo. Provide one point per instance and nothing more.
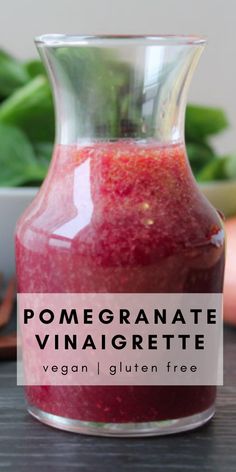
(123, 216)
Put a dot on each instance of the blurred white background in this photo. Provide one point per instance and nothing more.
(215, 79)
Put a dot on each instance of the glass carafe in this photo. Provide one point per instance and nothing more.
(120, 212)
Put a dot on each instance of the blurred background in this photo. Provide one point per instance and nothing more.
(215, 78)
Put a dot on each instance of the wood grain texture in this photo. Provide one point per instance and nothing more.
(28, 446)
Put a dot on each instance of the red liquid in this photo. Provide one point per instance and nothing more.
(139, 225)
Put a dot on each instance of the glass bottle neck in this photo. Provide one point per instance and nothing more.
(120, 91)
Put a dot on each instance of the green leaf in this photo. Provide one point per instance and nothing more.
(12, 74)
(31, 109)
(202, 122)
(17, 158)
(34, 68)
(215, 170)
(199, 155)
(44, 151)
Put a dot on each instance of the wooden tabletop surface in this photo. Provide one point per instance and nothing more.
(29, 446)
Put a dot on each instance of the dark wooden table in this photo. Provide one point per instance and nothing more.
(29, 446)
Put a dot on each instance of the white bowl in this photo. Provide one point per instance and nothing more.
(13, 202)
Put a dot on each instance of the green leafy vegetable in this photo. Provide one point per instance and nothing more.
(221, 168)
(202, 122)
(31, 109)
(34, 68)
(215, 170)
(199, 155)
(12, 74)
(18, 162)
(44, 151)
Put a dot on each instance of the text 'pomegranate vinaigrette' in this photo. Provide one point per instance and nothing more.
(120, 258)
